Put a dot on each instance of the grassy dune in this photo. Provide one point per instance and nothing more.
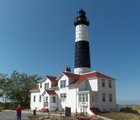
(128, 112)
(130, 109)
(122, 116)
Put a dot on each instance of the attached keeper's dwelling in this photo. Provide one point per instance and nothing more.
(84, 90)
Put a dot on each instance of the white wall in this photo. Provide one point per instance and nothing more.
(83, 86)
(93, 84)
(72, 99)
(36, 104)
(51, 106)
(107, 105)
(70, 95)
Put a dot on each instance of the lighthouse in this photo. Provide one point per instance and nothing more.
(84, 90)
(82, 52)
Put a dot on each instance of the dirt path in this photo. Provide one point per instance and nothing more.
(10, 115)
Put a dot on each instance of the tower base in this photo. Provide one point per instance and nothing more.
(82, 70)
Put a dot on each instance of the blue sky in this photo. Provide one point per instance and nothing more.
(37, 37)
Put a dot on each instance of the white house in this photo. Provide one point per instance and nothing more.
(82, 91)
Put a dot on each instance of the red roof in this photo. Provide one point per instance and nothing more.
(86, 76)
(51, 92)
(51, 78)
(54, 87)
(77, 79)
(94, 74)
(71, 75)
(35, 88)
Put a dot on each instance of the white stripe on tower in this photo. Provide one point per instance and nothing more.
(81, 33)
(82, 55)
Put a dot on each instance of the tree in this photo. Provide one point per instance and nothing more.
(17, 87)
(3, 85)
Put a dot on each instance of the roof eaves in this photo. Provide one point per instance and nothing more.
(100, 75)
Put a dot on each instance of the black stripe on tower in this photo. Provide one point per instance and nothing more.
(82, 55)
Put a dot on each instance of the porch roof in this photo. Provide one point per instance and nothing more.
(51, 92)
(35, 89)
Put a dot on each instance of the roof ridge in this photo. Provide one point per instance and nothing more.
(50, 76)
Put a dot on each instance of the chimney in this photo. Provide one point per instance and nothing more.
(67, 69)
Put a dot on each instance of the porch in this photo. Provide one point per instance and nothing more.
(87, 100)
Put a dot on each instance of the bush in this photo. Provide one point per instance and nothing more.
(10, 106)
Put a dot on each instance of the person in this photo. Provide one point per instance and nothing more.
(18, 112)
(34, 111)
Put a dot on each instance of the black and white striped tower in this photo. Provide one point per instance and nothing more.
(82, 54)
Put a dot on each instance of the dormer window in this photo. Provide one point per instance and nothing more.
(62, 83)
(46, 86)
(40, 84)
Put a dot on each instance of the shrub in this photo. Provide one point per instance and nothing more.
(10, 106)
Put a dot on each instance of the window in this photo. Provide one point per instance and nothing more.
(41, 85)
(53, 99)
(110, 97)
(83, 97)
(63, 97)
(40, 98)
(62, 83)
(103, 83)
(46, 99)
(109, 84)
(34, 98)
(92, 98)
(46, 86)
(103, 97)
